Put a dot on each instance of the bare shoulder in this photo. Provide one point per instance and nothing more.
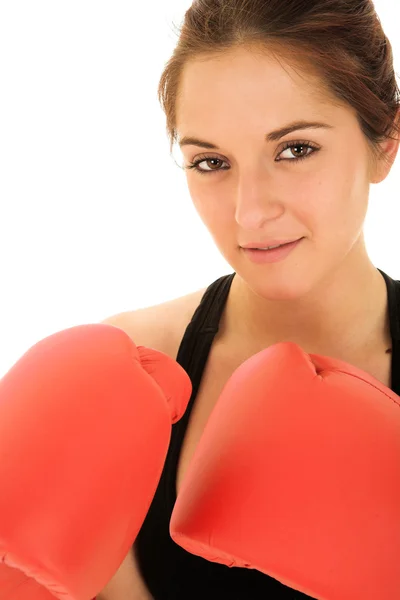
(160, 326)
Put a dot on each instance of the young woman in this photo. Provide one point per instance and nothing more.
(285, 114)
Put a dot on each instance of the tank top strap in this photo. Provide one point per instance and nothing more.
(393, 290)
(192, 356)
(204, 325)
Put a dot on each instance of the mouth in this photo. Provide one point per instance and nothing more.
(263, 256)
(268, 249)
(270, 246)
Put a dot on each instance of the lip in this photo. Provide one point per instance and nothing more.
(270, 256)
(272, 242)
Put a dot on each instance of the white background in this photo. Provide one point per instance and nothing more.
(95, 216)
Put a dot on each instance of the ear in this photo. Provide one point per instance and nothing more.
(381, 166)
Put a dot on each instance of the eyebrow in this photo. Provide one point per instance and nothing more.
(270, 137)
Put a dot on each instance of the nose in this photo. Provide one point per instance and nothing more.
(255, 205)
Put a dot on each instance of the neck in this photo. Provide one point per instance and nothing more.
(344, 314)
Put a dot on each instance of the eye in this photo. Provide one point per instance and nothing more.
(288, 146)
(195, 165)
(296, 146)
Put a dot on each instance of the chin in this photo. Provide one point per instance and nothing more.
(280, 292)
(277, 285)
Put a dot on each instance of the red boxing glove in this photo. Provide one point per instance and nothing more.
(85, 424)
(297, 474)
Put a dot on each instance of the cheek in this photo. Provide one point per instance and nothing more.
(333, 207)
(214, 211)
(347, 210)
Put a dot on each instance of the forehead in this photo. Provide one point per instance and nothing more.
(240, 83)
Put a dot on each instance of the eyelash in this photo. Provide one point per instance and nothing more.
(194, 165)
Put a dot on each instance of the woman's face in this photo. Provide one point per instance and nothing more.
(253, 189)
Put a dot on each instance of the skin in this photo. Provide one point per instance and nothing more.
(316, 297)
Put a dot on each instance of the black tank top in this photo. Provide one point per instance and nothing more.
(169, 571)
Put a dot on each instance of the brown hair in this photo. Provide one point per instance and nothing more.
(342, 42)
